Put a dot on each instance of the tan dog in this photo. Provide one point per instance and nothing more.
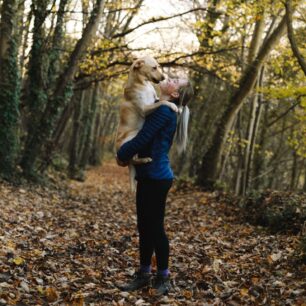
(140, 100)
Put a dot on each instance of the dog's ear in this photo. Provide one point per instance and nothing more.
(138, 63)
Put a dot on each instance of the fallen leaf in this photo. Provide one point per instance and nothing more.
(18, 261)
(274, 257)
(244, 292)
(187, 294)
(139, 302)
(41, 290)
(216, 264)
(51, 294)
(25, 286)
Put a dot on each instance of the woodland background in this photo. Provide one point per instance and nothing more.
(237, 211)
(61, 85)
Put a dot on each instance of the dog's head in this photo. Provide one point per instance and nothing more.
(148, 69)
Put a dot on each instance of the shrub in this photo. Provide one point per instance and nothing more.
(279, 211)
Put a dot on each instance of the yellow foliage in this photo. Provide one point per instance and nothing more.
(289, 91)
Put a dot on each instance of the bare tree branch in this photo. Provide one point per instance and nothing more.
(287, 111)
(171, 62)
(191, 55)
(157, 19)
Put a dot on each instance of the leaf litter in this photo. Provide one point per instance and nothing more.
(72, 244)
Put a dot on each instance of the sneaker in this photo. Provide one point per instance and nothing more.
(140, 280)
(161, 284)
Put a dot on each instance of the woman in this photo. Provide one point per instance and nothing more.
(155, 179)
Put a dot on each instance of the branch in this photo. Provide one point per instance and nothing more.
(197, 53)
(291, 37)
(174, 62)
(88, 13)
(85, 83)
(286, 112)
(130, 18)
(158, 19)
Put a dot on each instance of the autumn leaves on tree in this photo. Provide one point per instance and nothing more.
(60, 92)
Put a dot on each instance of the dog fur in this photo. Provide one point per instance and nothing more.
(140, 100)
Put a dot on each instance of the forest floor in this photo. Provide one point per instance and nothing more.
(71, 245)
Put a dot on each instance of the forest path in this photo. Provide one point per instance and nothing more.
(68, 246)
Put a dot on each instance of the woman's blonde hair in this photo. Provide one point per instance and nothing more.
(186, 94)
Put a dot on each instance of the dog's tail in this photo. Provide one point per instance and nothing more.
(181, 136)
(132, 172)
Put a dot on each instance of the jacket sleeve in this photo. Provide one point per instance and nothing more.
(153, 124)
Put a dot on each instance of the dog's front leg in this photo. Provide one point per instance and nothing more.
(148, 109)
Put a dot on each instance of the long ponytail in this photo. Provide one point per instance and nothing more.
(181, 138)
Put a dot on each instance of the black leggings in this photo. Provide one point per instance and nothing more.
(150, 203)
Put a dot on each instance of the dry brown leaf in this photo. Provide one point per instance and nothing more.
(51, 294)
(78, 301)
(244, 292)
(187, 294)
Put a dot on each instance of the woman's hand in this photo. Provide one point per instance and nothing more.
(121, 163)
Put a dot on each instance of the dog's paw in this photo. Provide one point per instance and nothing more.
(172, 106)
(147, 160)
(141, 160)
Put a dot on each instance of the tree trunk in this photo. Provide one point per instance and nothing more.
(60, 95)
(107, 118)
(210, 167)
(304, 185)
(9, 90)
(294, 171)
(19, 22)
(89, 128)
(25, 41)
(257, 36)
(75, 139)
(36, 84)
(228, 152)
(54, 53)
(84, 121)
(259, 160)
(239, 156)
(62, 124)
(274, 162)
(95, 155)
(255, 131)
(109, 127)
(299, 176)
(253, 128)
(254, 47)
(53, 144)
(246, 158)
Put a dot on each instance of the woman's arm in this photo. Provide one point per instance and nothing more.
(153, 123)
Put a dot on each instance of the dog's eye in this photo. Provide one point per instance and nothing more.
(154, 68)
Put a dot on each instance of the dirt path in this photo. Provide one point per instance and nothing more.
(69, 246)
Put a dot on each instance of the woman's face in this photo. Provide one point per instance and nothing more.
(171, 87)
